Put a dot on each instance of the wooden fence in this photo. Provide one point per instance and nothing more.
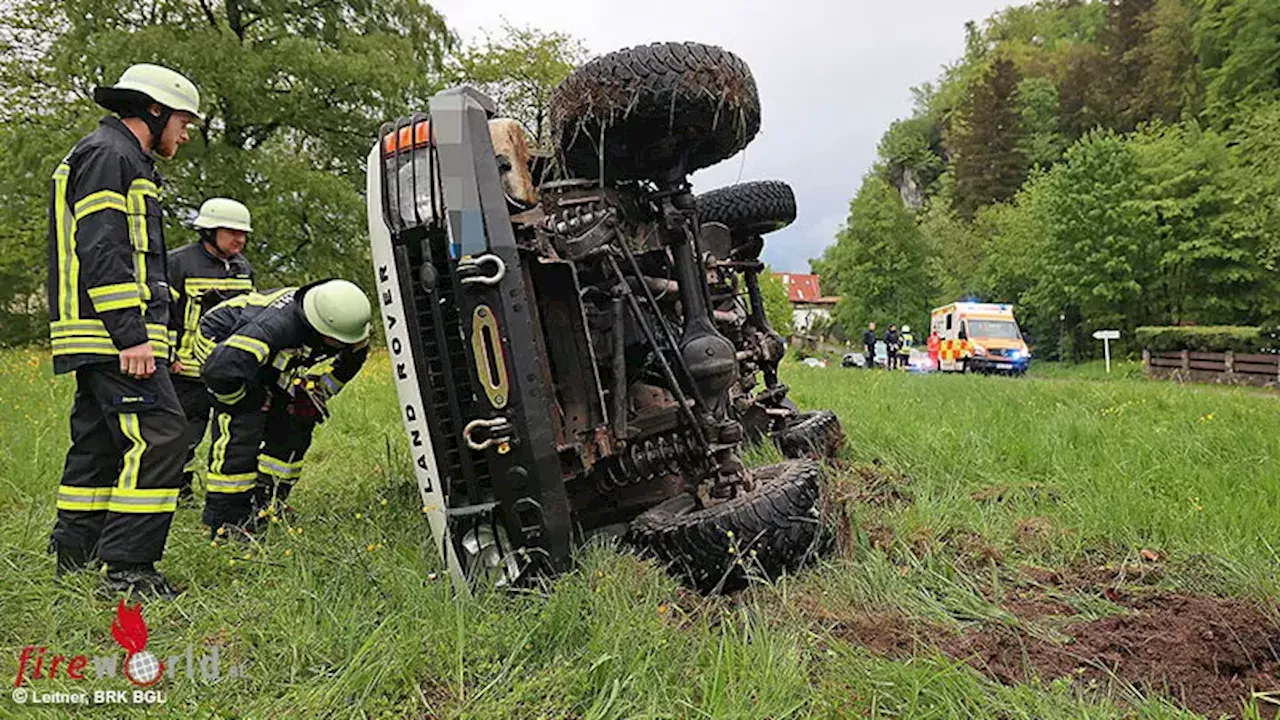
(1226, 368)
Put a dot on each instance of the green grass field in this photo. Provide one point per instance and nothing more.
(951, 491)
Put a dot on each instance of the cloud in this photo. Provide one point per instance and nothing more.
(832, 75)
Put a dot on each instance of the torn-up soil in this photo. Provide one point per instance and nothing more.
(865, 486)
(1208, 654)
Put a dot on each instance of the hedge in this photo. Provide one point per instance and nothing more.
(1215, 338)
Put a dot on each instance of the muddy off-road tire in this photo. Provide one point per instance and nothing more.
(773, 529)
(662, 110)
(815, 434)
(753, 208)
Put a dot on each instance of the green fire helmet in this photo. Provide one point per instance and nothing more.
(338, 309)
(223, 213)
(153, 83)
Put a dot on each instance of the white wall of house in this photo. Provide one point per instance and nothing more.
(803, 316)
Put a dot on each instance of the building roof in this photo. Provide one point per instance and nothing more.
(802, 288)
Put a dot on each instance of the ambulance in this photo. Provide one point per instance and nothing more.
(979, 337)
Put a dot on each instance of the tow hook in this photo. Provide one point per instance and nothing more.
(495, 431)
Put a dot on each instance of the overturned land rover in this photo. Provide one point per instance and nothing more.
(578, 341)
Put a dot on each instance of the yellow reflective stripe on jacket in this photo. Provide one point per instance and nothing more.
(203, 347)
(331, 383)
(136, 203)
(101, 200)
(84, 499)
(119, 296)
(261, 300)
(195, 286)
(253, 346)
(145, 500)
(68, 263)
(71, 337)
(83, 345)
(132, 464)
(99, 346)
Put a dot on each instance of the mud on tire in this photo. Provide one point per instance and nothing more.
(773, 529)
(752, 208)
(662, 110)
(815, 434)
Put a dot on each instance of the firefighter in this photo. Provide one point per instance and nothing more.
(109, 315)
(907, 341)
(201, 275)
(271, 361)
(893, 344)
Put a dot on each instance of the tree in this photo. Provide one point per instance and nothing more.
(988, 165)
(954, 256)
(1170, 86)
(881, 260)
(294, 91)
(1210, 270)
(1239, 55)
(1041, 142)
(1098, 259)
(1123, 37)
(777, 304)
(520, 71)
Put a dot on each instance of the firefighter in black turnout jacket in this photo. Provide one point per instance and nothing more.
(201, 275)
(109, 316)
(272, 360)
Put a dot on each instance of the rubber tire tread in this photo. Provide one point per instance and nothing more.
(654, 103)
(751, 208)
(814, 433)
(778, 520)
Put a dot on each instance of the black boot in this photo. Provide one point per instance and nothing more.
(140, 579)
(70, 560)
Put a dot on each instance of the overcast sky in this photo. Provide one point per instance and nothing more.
(832, 75)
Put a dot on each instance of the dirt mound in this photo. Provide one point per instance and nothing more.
(1209, 654)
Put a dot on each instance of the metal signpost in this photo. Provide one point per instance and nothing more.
(1106, 336)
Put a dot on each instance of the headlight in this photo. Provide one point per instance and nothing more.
(979, 350)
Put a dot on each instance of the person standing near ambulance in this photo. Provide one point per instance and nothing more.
(109, 316)
(201, 275)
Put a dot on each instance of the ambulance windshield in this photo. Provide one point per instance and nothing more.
(997, 329)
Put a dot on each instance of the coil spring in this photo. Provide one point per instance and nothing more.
(646, 460)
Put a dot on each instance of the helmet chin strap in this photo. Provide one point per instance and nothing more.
(156, 123)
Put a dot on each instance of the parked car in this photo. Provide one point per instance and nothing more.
(859, 360)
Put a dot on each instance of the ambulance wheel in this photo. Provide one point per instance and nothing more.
(768, 531)
(816, 434)
(654, 112)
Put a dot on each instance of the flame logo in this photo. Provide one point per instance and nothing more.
(130, 630)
